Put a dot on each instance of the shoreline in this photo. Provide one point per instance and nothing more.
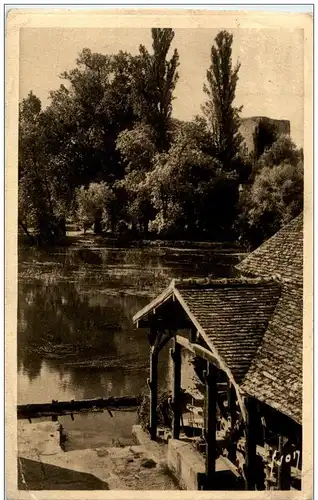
(79, 239)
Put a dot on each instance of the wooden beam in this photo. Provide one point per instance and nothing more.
(250, 444)
(184, 342)
(165, 296)
(56, 408)
(198, 350)
(159, 335)
(176, 356)
(152, 334)
(153, 383)
(210, 424)
(174, 323)
(162, 339)
(231, 400)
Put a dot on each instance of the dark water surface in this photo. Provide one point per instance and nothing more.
(76, 338)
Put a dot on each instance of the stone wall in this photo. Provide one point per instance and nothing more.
(248, 126)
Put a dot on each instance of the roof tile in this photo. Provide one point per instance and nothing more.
(280, 355)
(282, 254)
(234, 318)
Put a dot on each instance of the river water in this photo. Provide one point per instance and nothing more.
(76, 338)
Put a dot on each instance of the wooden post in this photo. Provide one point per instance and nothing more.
(250, 444)
(176, 356)
(210, 424)
(193, 334)
(231, 400)
(284, 470)
(153, 383)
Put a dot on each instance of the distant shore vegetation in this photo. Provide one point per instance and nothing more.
(107, 154)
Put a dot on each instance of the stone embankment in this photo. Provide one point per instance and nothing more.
(43, 465)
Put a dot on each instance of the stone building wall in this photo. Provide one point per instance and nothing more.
(248, 126)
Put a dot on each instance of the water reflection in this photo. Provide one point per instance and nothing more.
(75, 306)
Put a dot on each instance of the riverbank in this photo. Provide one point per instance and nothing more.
(75, 238)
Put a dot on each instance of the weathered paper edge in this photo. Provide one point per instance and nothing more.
(144, 18)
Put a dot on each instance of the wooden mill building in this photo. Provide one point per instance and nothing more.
(245, 334)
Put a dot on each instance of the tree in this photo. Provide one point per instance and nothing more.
(222, 115)
(137, 148)
(39, 198)
(264, 136)
(29, 140)
(91, 112)
(275, 194)
(93, 205)
(26, 211)
(284, 150)
(154, 81)
(73, 141)
(189, 190)
(276, 197)
(219, 110)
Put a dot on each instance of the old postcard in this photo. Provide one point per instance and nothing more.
(159, 207)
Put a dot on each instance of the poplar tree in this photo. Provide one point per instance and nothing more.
(221, 113)
(155, 79)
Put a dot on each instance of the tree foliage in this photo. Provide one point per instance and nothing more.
(154, 81)
(189, 190)
(275, 196)
(40, 200)
(94, 206)
(107, 151)
(138, 148)
(284, 150)
(219, 109)
(98, 98)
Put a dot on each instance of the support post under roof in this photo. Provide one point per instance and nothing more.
(153, 385)
(176, 356)
(210, 424)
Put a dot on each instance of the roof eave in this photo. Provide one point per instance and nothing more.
(156, 302)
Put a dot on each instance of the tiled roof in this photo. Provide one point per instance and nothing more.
(254, 325)
(232, 314)
(275, 375)
(282, 254)
(234, 317)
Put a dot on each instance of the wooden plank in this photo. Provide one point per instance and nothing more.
(198, 350)
(56, 408)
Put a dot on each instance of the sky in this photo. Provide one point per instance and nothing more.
(271, 77)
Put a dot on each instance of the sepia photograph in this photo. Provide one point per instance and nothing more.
(160, 202)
